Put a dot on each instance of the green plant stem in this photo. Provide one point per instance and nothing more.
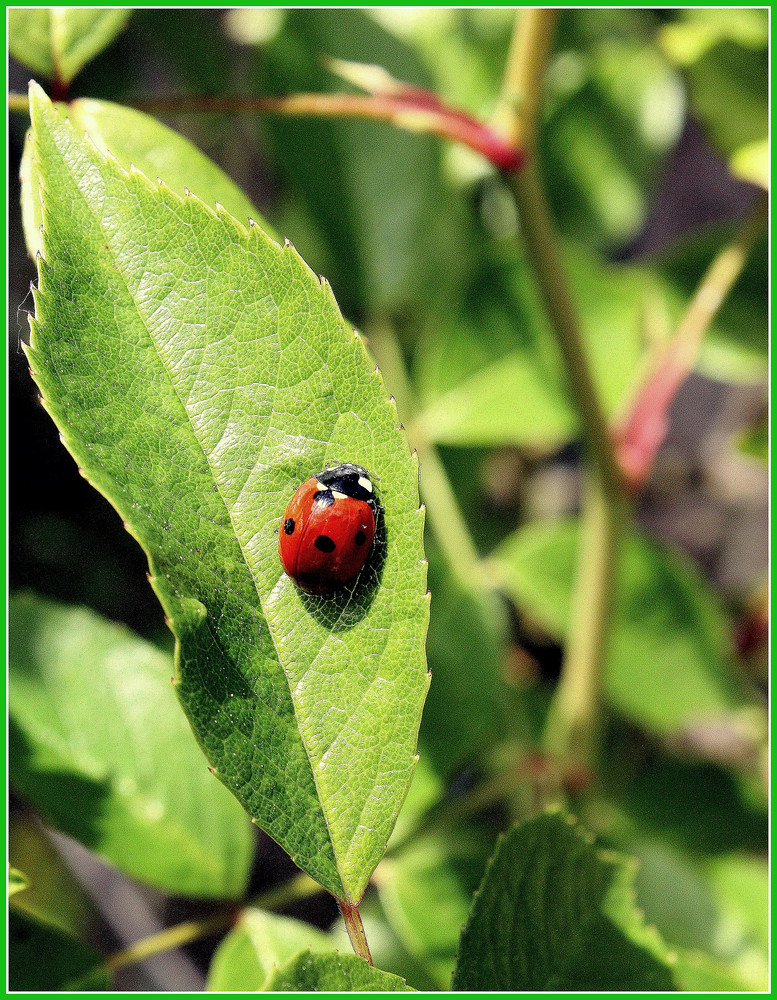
(355, 928)
(573, 724)
(545, 257)
(170, 938)
(519, 101)
(299, 887)
(188, 931)
(19, 102)
(572, 729)
(443, 512)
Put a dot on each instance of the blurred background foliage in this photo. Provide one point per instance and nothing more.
(653, 147)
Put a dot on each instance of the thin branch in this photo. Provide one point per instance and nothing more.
(571, 734)
(520, 98)
(170, 938)
(19, 102)
(189, 931)
(572, 729)
(643, 431)
(409, 108)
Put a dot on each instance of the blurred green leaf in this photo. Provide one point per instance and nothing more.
(136, 140)
(696, 807)
(741, 884)
(101, 749)
(555, 913)
(42, 959)
(615, 108)
(426, 891)
(695, 31)
(718, 910)
(724, 55)
(17, 881)
(521, 398)
(754, 441)
(258, 943)
(751, 163)
(333, 973)
(370, 192)
(426, 790)
(668, 661)
(199, 372)
(57, 41)
(698, 972)
(464, 715)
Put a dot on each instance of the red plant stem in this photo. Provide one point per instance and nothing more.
(410, 108)
(355, 928)
(643, 431)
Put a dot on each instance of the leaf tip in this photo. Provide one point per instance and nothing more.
(37, 95)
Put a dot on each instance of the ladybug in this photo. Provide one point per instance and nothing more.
(326, 534)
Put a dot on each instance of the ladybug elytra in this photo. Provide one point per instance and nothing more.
(327, 531)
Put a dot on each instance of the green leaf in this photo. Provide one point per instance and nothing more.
(717, 913)
(426, 891)
(554, 913)
(668, 661)
(42, 958)
(698, 972)
(464, 714)
(333, 973)
(615, 107)
(521, 398)
(724, 54)
(750, 162)
(506, 403)
(57, 41)
(198, 373)
(366, 201)
(741, 883)
(100, 748)
(257, 944)
(134, 139)
(17, 881)
(652, 796)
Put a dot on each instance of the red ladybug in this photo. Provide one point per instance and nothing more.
(327, 531)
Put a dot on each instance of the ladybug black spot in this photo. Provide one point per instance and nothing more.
(324, 543)
(288, 526)
(360, 538)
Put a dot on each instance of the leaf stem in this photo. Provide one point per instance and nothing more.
(355, 928)
(571, 733)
